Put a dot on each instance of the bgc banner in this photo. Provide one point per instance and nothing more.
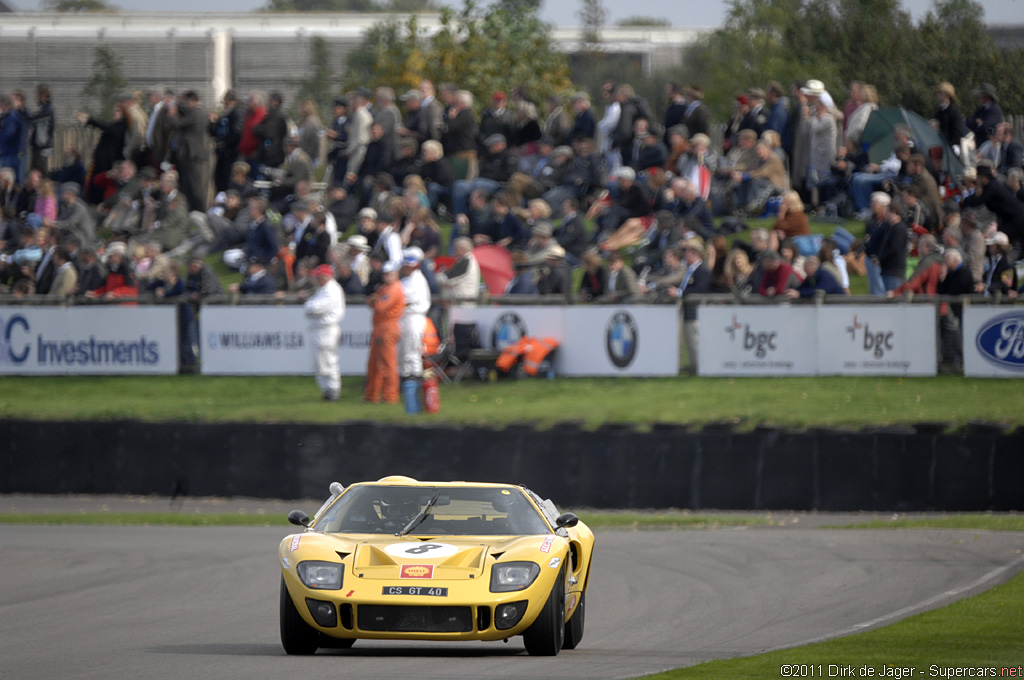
(822, 340)
(89, 340)
(274, 341)
(595, 341)
(993, 342)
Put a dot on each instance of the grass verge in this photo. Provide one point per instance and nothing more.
(640, 402)
(985, 522)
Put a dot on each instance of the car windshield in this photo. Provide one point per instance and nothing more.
(459, 511)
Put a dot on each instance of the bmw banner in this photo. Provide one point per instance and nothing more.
(89, 340)
(993, 342)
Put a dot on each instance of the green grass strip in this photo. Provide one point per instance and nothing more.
(652, 521)
(983, 632)
(982, 522)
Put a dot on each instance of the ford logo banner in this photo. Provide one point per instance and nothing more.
(1001, 341)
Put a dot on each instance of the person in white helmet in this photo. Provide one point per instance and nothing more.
(325, 309)
(417, 303)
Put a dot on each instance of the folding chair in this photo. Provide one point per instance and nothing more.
(465, 338)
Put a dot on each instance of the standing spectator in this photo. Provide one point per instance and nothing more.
(558, 125)
(325, 311)
(158, 133)
(109, 148)
(583, 126)
(432, 117)
(497, 119)
(309, 130)
(607, 125)
(955, 280)
(855, 123)
(951, 121)
(556, 276)
(14, 127)
(193, 157)
(822, 138)
(778, 277)
(778, 112)
(594, 284)
(697, 117)
(91, 272)
(249, 144)
(696, 281)
(388, 305)
(886, 249)
(998, 199)
(676, 110)
(622, 281)
(271, 133)
(41, 135)
(1000, 275)
(359, 135)
(459, 137)
(337, 154)
(988, 114)
(226, 130)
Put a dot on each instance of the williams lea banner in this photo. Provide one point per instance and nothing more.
(993, 342)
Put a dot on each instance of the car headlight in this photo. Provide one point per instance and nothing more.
(321, 575)
(511, 576)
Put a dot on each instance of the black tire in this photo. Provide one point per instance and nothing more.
(574, 626)
(546, 635)
(297, 636)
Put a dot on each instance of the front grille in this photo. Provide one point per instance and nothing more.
(399, 619)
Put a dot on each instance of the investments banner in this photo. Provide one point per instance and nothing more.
(89, 340)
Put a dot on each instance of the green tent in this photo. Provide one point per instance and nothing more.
(877, 138)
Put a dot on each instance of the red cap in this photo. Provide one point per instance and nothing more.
(323, 270)
(742, 99)
(499, 95)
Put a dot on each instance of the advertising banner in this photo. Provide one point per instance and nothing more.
(274, 341)
(595, 341)
(753, 341)
(89, 340)
(877, 340)
(993, 342)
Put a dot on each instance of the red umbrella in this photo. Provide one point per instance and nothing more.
(495, 268)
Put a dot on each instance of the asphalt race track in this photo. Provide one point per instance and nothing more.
(168, 602)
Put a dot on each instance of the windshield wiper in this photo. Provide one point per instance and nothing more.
(421, 516)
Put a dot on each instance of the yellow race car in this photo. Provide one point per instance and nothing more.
(400, 559)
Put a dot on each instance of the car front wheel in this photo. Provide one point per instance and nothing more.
(297, 637)
(574, 627)
(546, 635)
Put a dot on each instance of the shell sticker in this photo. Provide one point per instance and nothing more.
(417, 571)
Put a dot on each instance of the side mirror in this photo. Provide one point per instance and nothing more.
(567, 521)
(298, 518)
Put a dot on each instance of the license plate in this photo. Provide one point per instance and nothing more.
(415, 590)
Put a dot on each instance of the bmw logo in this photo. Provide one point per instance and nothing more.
(508, 329)
(621, 339)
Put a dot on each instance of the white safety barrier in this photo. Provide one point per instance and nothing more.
(993, 342)
(820, 340)
(90, 340)
(274, 341)
(594, 341)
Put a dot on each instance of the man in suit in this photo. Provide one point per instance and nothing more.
(584, 126)
(272, 132)
(298, 167)
(257, 281)
(697, 118)
(226, 130)
(622, 281)
(988, 114)
(46, 269)
(1011, 153)
(1008, 210)
(696, 281)
(65, 279)
(432, 112)
(193, 155)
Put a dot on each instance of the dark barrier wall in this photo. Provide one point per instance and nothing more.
(612, 467)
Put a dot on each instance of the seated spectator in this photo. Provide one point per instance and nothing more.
(120, 280)
(739, 273)
(622, 285)
(74, 216)
(662, 287)
(421, 231)
(201, 281)
(662, 237)
(407, 161)
(92, 273)
(496, 167)
(165, 219)
(791, 253)
(756, 182)
(1008, 210)
(683, 201)
(925, 278)
(10, 194)
(556, 276)
(523, 283)
(505, 228)
(648, 151)
(437, 174)
(792, 220)
(312, 240)
(874, 175)
(817, 278)
(628, 201)
(594, 284)
(461, 282)
(571, 234)
(73, 170)
(260, 239)
(831, 259)
(779, 275)
(257, 280)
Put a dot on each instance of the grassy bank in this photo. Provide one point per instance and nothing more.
(748, 402)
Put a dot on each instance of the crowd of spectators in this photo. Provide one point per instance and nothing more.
(173, 180)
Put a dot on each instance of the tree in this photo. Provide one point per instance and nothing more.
(643, 22)
(592, 14)
(482, 50)
(68, 6)
(107, 82)
(319, 85)
(368, 6)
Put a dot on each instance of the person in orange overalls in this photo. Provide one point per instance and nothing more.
(388, 305)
